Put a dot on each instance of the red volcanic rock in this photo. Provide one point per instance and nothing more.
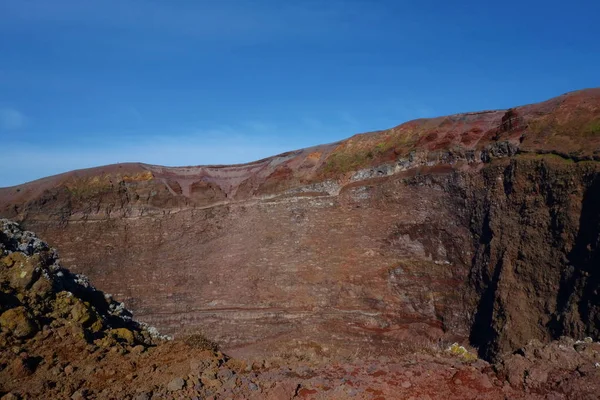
(477, 227)
(90, 347)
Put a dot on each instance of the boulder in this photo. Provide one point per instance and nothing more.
(122, 335)
(18, 322)
(23, 271)
(176, 384)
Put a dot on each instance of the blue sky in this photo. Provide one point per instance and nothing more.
(176, 82)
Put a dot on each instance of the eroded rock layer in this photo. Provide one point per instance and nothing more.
(480, 225)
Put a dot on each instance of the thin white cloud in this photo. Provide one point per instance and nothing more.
(11, 119)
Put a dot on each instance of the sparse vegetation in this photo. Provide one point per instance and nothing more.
(593, 128)
(344, 162)
(461, 352)
(365, 153)
(566, 132)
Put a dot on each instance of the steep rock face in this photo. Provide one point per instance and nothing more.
(480, 225)
(533, 222)
(535, 226)
(372, 263)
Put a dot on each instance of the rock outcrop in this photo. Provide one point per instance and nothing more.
(40, 295)
(536, 231)
(62, 338)
(479, 227)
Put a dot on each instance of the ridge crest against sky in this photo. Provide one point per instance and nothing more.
(87, 83)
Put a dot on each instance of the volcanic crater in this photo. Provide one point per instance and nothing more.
(479, 228)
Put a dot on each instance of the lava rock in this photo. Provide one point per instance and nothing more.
(18, 322)
(176, 384)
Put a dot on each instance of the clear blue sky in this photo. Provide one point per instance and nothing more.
(176, 82)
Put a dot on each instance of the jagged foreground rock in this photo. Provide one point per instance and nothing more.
(479, 227)
(63, 339)
(60, 337)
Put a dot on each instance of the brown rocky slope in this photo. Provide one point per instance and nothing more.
(63, 339)
(479, 227)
